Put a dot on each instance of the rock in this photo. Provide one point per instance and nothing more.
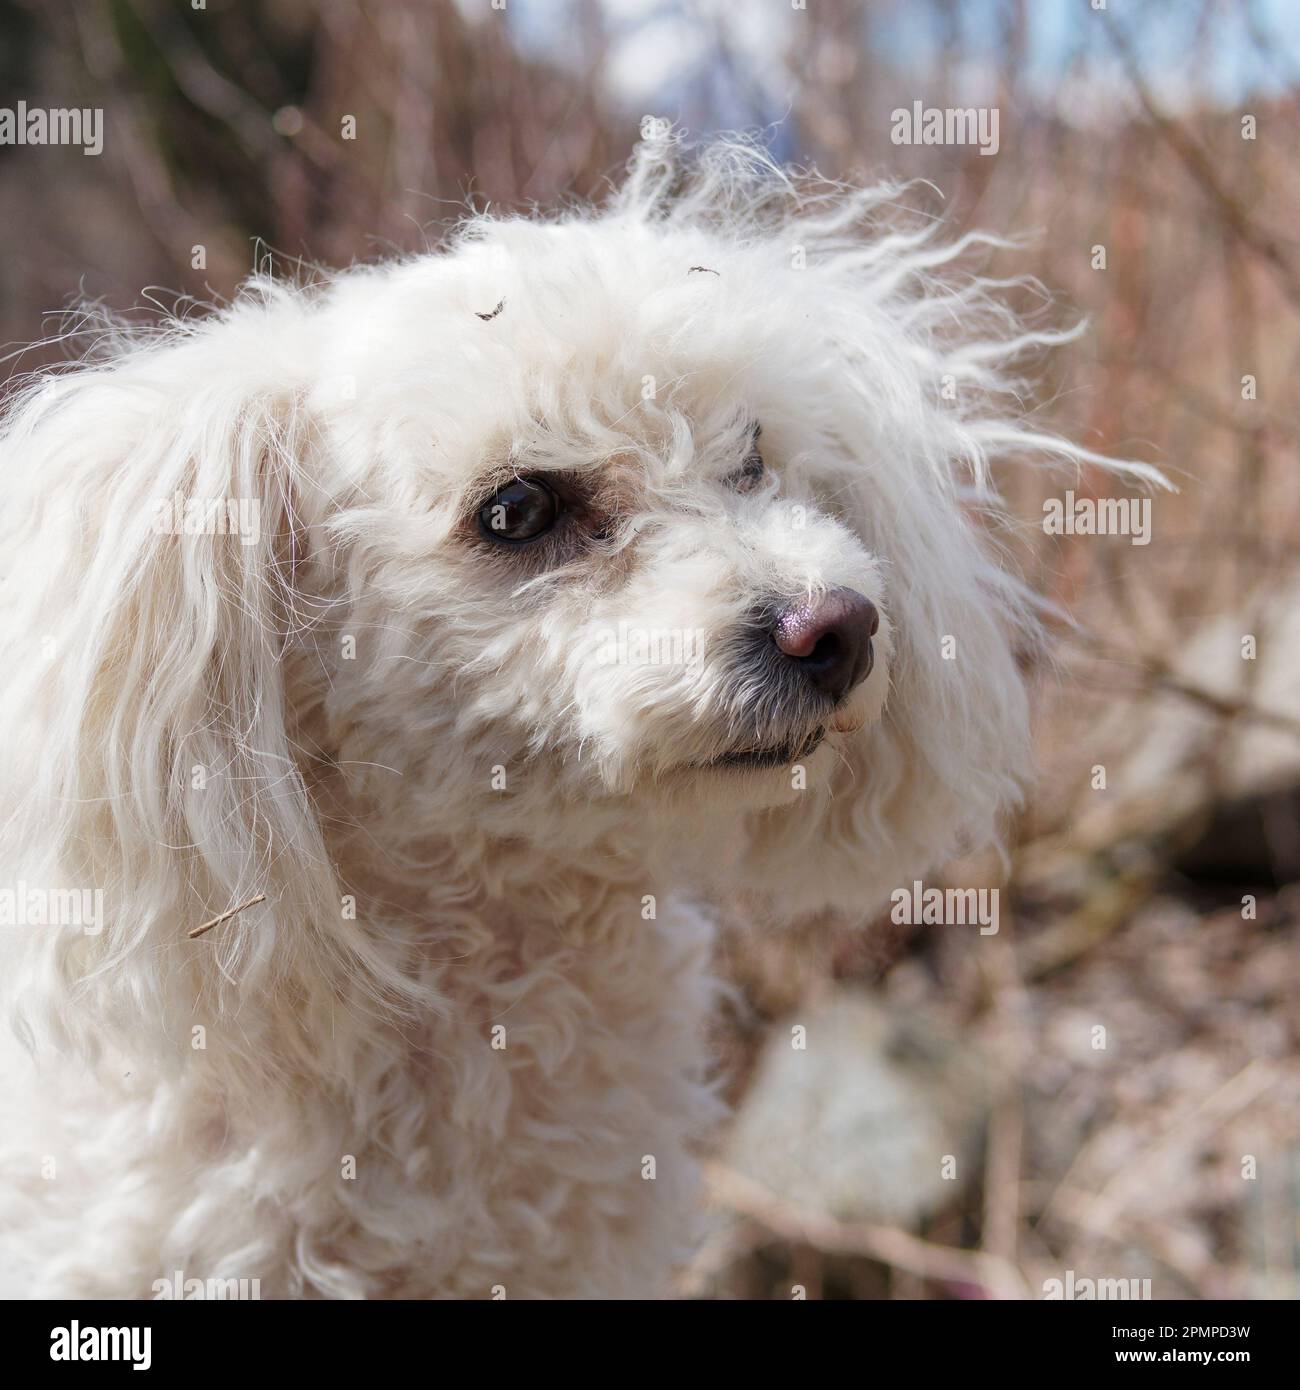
(857, 1123)
(1208, 763)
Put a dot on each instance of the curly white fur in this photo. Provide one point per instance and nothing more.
(438, 1058)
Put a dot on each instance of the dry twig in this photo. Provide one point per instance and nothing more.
(226, 916)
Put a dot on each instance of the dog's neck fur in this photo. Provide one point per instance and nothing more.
(557, 1065)
(576, 989)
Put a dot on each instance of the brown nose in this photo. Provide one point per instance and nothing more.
(830, 639)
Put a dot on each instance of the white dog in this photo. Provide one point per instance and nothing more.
(477, 612)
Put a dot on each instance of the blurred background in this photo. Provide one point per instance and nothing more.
(1106, 1088)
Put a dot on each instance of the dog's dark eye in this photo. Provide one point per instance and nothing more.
(523, 510)
(750, 473)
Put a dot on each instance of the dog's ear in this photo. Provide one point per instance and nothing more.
(156, 526)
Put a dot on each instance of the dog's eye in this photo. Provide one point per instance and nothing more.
(750, 473)
(523, 510)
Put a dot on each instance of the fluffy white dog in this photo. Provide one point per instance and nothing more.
(479, 612)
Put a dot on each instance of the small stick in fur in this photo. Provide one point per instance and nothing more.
(226, 916)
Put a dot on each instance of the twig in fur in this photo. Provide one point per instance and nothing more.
(226, 916)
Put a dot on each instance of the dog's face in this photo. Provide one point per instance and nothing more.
(608, 550)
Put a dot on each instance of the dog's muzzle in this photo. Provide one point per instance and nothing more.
(812, 654)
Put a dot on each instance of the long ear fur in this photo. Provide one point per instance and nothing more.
(149, 753)
(903, 321)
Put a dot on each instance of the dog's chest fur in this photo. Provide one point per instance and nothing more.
(532, 1139)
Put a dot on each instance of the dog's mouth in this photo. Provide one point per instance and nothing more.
(773, 754)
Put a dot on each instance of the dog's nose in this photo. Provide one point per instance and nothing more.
(830, 639)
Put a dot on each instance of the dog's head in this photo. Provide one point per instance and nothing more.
(647, 516)
(620, 524)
